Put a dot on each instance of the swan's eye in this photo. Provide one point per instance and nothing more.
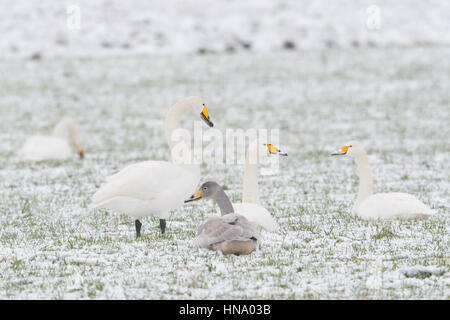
(205, 188)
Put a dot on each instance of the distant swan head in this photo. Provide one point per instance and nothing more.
(271, 149)
(352, 149)
(260, 149)
(67, 126)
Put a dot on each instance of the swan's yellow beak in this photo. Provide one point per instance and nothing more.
(341, 152)
(273, 150)
(81, 153)
(205, 116)
(195, 196)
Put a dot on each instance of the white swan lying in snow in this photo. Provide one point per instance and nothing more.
(381, 205)
(55, 147)
(250, 206)
(154, 188)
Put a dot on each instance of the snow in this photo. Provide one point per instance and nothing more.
(112, 27)
(130, 61)
(53, 247)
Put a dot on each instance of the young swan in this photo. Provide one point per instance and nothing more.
(55, 147)
(381, 205)
(230, 233)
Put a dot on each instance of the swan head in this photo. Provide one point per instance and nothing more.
(352, 149)
(255, 153)
(67, 126)
(197, 106)
(271, 149)
(81, 153)
(208, 190)
(78, 144)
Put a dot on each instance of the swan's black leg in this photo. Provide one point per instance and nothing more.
(138, 225)
(162, 224)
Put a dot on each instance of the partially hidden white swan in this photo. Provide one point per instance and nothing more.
(381, 205)
(230, 233)
(154, 188)
(250, 207)
(54, 147)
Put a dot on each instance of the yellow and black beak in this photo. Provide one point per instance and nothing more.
(195, 196)
(273, 150)
(341, 152)
(205, 116)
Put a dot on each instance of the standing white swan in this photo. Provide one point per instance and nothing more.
(250, 206)
(55, 147)
(230, 233)
(381, 205)
(154, 188)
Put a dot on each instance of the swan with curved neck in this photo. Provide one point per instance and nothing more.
(381, 205)
(154, 188)
(250, 206)
(230, 233)
(55, 147)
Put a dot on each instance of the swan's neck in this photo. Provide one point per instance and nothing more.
(171, 124)
(250, 187)
(224, 203)
(365, 180)
(67, 127)
(172, 121)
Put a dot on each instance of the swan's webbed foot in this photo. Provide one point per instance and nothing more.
(162, 224)
(138, 226)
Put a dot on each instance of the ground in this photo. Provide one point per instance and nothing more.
(92, 28)
(394, 100)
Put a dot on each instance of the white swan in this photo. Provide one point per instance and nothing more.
(230, 233)
(154, 188)
(55, 147)
(250, 206)
(381, 205)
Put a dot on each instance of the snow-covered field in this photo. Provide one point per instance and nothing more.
(111, 27)
(394, 100)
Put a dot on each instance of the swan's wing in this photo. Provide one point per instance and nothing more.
(147, 181)
(123, 172)
(257, 215)
(228, 227)
(393, 205)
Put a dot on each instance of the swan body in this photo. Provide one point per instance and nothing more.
(150, 188)
(154, 188)
(230, 233)
(393, 205)
(257, 214)
(54, 147)
(250, 206)
(40, 148)
(382, 205)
